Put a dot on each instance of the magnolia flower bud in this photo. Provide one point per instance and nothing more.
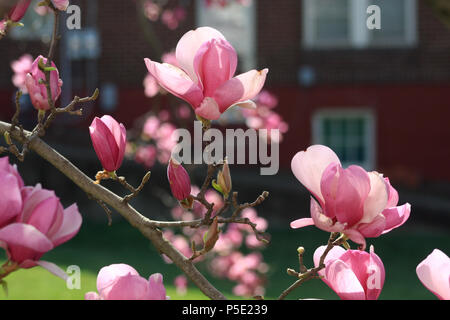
(109, 139)
(37, 89)
(179, 180)
(223, 183)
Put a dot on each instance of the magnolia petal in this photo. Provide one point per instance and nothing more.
(396, 216)
(70, 225)
(374, 228)
(375, 280)
(308, 167)
(11, 203)
(332, 255)
(214, 63)
(49, 266)
(23, 242)
(377, 198)
(300, 223)
(240, 88)
(343, 281)
(176, 81)
(208, 109)
(109, 275)
(352, 189)
(356, 237)
(434, 273)
(190, 43)
(157, 291)
(322, 221)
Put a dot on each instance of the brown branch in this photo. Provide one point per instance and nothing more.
(313, 272)
(137, 220)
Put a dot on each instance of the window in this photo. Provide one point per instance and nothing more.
(237, 23)
(350, 133)
(342, 23)
(36, 27)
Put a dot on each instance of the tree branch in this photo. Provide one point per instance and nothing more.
(137, 220)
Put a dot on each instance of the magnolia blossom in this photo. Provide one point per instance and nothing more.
(352, 274)
(204, 78)
(352, 201)
(434, 273)
(123, 282)
(11, 190)
(41, 224)
(21, 67)
(109, 140)
(37, 90)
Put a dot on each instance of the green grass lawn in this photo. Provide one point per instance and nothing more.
(99, 245)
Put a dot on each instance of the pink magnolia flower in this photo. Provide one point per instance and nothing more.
(61, 4)
(21, 67)
(434, 273)
(352, 201)
(207, 63)
(41, 225)
(10, 188)
(179, 180)
(109, 140)
(352, 274)
(38, 91)
(11, 169)
(123, 282)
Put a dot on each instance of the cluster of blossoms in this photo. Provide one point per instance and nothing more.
(32, 221)
(155, 143)
(170, 17)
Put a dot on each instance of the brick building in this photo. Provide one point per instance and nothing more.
(380, 98)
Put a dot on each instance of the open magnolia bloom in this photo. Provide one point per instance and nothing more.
(205, 76)
(357, 203)
(352, 274)
(434, 273)
(123, 282)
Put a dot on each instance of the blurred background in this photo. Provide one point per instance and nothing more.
(379, 98)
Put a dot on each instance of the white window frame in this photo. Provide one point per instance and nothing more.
(349, 113)
(359, 37)
(248, 59)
